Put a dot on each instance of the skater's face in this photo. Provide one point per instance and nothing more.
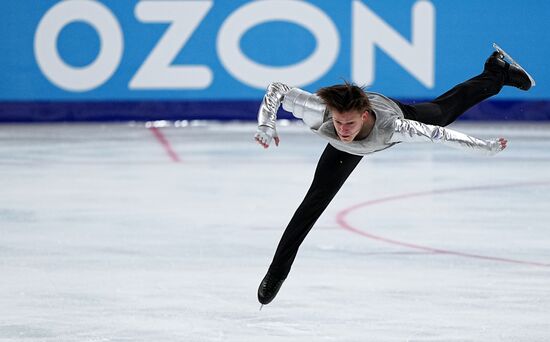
(348, 124)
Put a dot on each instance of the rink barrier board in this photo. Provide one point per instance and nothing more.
(234, 110)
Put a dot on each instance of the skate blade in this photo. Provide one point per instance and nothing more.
(512, 61)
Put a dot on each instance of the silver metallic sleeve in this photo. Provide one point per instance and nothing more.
(267, 114)
(306, 106)
(414, 131)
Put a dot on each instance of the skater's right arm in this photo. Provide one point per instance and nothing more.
(267, 114)
(300, 103)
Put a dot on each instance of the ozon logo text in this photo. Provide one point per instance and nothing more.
(157, 71)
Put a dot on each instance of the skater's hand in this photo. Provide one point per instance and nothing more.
(503, 143)
(498, 145)
(265, 134)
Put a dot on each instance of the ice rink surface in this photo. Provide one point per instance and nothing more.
(125, 232)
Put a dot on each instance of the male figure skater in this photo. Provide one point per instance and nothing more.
(358, 123)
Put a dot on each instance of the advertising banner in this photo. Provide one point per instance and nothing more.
(77, 60)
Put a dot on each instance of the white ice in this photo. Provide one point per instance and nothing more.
(103, 237)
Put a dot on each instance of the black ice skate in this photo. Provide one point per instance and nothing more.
(514, 74)
(268, 289)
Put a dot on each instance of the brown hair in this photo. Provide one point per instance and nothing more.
(345, 97)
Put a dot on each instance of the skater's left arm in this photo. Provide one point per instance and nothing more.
(413, 131)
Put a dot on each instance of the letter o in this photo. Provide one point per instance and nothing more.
(257, 75)
(78, 79)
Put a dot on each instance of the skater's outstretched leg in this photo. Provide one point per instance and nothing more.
(497, 72)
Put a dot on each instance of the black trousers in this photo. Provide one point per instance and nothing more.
(335, 166)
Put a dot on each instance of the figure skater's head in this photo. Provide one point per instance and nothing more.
(350, 108)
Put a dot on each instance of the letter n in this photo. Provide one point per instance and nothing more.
(417, 56)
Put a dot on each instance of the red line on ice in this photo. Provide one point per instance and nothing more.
(341, 220)
(166, 144)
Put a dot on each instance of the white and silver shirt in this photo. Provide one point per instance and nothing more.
(390, 125)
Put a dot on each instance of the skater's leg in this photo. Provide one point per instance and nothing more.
(448, 107)
(332, 170)
(499, 70)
